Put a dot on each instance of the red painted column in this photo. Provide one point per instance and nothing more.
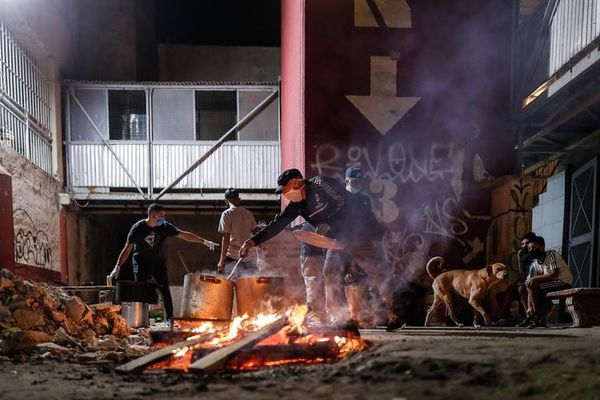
(292, 84)
(7, 229)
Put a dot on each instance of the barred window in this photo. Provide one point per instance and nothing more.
(216, 113)
(25, 110)
(23, 79)
(127, 115)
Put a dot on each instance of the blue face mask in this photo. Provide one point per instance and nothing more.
(161, 221)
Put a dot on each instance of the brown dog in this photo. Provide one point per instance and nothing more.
(472, 285)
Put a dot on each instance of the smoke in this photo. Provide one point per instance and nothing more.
(425, 176)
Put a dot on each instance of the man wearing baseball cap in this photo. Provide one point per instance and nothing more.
(324, 202)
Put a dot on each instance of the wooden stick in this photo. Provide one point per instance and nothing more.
(216, 359)
(165, 352)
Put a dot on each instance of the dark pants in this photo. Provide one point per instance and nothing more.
(145, 270)
(366, 257)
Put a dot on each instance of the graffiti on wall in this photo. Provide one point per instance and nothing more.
(32, 246)
(434, 174)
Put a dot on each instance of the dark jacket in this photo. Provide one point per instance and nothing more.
(326, 203)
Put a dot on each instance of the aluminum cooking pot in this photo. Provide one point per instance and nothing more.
(259, 294)
(206, 297)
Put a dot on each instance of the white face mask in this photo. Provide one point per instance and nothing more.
(294, 195)
(352, 187)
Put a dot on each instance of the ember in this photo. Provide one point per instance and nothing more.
(250, 343)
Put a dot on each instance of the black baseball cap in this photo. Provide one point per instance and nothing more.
(285, 177)
(231, 193)
(354, 173)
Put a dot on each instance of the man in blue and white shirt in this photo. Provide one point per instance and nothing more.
(548, 272)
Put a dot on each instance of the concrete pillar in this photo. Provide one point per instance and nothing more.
(7, 229)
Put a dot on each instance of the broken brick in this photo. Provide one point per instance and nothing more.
(27, 319)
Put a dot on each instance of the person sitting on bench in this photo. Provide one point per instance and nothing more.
(548, 272)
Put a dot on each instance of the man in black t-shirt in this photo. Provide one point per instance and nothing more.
(145, 239)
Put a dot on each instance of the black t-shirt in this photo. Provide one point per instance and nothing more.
(148, 240)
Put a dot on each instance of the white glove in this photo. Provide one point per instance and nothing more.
(210, 245)
(115, 272)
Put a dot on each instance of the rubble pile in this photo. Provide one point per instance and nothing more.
(34, 315)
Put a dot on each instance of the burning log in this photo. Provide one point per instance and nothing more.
(269, 355)
(165, 352)
(218, 358)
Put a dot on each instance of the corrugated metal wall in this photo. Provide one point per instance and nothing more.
(575, 25)
(244, 165)
(93, 165)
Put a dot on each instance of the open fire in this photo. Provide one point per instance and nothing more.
(249, 343)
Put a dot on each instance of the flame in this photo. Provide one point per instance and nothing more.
(204, 327)
(181, 352)
(330, 348)
(349, 345)
(296, 316)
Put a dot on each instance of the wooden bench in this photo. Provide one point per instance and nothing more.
(582, 303)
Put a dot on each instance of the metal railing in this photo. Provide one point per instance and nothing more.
(25, 111)
(249, 165)
(24, 79)
(551, 42)
(575, 24)
(25, 137)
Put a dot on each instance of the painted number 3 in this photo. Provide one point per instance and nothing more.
(388, 212)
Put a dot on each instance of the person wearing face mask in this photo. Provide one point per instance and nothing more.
(236, 225)
(145, 239)
(324, 202)
(355, 185)
(548, 272)
(364, 206)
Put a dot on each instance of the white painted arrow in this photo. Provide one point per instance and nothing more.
(382, 107)
(395, 13)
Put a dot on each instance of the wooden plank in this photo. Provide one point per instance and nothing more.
(165, 352)
(216, 359)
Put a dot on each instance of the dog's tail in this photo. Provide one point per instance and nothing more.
(435, 266)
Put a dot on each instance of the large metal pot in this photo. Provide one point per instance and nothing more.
(135, 313)
(206, 297)
(259, 294)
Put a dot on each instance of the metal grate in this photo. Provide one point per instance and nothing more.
(127, 115)
(575, 25)
(216, 113)
(25, 138)
(23, 79)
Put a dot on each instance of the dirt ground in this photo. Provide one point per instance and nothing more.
(415, 363)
